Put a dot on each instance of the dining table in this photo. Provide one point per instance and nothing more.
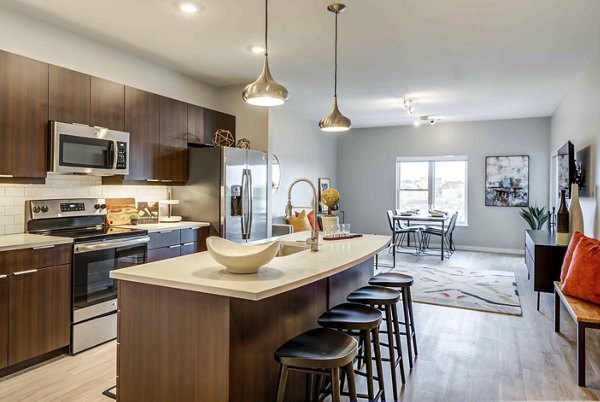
(442, 221)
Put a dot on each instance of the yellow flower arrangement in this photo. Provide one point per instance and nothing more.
(330, 197)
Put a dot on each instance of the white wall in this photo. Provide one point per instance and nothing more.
(41, 41)
(303, 151)
(577, 119)
(367, 173)
(252, 122)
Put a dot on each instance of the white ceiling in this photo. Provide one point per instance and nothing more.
(461, 59)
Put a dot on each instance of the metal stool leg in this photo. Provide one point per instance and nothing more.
(283, 373)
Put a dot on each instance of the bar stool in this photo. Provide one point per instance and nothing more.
(360, 320)
(387, 298)
(403, 282)
(320, 351)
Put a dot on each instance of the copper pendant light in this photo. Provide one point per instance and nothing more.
(265, 91)
(335, 120)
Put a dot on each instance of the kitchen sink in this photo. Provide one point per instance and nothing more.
(288, 248)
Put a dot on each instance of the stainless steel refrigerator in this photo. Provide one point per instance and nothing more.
(228, 188)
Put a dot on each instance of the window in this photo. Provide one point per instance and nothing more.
(432, 182)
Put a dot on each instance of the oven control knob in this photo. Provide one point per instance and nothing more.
(36, 210)
(44, 209)
(103, 206)
(96, 206)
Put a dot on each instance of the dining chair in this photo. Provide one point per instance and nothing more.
(447, 233)
(403, 230)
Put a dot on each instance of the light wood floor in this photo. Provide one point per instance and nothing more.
(464, 355)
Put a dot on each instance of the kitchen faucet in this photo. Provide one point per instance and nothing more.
(314, 234)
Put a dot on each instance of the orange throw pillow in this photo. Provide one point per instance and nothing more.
(310, 219)
(583, 278)
(300, 222)
(569, 254)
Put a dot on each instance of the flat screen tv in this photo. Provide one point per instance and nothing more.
(565, 168)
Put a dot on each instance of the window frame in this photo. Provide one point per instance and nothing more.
(431, 178)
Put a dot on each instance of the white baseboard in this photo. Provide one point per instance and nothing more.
(492, 249)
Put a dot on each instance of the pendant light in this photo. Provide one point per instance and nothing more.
(265, 91)
(335, 120)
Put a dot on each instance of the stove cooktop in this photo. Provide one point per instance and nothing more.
(94, 234)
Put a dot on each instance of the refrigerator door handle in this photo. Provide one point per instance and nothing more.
(243, 195)
(250, 203)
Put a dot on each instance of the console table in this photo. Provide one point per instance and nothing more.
(544, 259)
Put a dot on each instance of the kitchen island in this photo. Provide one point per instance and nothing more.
(190, 331)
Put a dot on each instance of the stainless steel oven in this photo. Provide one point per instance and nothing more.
(77, 148)
(94, 292)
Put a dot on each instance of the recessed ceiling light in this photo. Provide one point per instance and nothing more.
(257, 49)
(417, 123)
(188, 8)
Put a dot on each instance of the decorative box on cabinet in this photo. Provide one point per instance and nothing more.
(543, 258)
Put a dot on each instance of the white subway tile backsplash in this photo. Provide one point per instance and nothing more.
(13, 196)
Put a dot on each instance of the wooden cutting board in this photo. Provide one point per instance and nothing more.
(119, 210)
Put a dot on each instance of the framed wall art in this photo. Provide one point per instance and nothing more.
(324, 184)
(507, 181)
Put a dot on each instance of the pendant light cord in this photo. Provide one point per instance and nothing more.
(266, 25)
(336, 40)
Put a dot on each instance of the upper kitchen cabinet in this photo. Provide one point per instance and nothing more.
(196, 125)
(142, 111)
(107, 104)
(173, 140)
(69, 96)
(23, 118)
(214, 121)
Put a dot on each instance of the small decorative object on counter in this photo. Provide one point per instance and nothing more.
(575, 211)
(169, 217)
(134, 218)
(562, 221)
(148, 212)
(223, 138)
(243, 143)
(330, 198)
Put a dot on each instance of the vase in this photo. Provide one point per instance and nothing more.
(329, 221)
(575, 211)
(562, 221)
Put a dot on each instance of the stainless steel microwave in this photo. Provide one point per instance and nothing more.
(77, 148)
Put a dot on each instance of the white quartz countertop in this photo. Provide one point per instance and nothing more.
(26, 240)
(199, 272)
(163, 226)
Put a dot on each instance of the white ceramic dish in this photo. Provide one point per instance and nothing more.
(241, 258)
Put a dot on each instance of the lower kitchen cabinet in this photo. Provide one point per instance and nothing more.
(4, 279)
(175, 243)
(39, 312)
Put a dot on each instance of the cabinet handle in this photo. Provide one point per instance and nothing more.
(167, 181)
(194, 228)
(31, 271)
(188, 244)
(43, 247)
(152, 180)
(7, 175)
(3, 276)
(175, 246)
(165, 231)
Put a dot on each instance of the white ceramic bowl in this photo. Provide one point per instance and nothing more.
(241, 258)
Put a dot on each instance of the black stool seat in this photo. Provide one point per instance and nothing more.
(374, 295)
(319, 348)
(392, 279)
(351, 316)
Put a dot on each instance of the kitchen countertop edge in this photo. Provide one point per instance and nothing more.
(21, 241)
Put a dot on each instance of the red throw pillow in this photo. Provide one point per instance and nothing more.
(583, 278)
(569, 254)
(310, 219)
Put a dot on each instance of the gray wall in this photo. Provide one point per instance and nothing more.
(577, 119)
(367, 173)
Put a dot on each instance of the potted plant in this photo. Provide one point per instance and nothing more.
(330, 197)
(134, 219)
(535, 216)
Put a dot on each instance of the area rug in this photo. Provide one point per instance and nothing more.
(491, 291)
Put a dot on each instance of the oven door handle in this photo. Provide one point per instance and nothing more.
(88, 248)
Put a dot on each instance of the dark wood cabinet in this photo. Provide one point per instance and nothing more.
(23, 117)
(69, 95)
(107, 104)
(173, 140)
(4, 280)
(214, 120)
(142, 122)
(196, 132)
(39, 312)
